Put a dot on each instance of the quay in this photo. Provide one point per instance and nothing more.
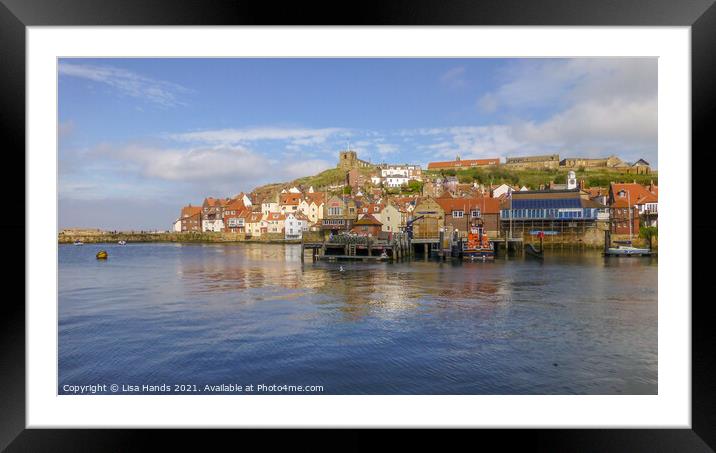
(363, 248)
(398, 247)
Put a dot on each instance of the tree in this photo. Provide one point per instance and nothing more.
(648, 233)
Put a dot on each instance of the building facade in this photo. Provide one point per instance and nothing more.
(550, 161)
(462, 164)
(553, 211)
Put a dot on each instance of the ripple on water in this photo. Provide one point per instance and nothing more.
(254, 314)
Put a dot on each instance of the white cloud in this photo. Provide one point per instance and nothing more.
(296, 136)
(195, 164)
(128, 83)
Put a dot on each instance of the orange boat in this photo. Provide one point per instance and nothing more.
(478, 245)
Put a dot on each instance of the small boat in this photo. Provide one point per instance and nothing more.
(122, 242)
(78, 242)
(478, 245)
(627, 250)
(102, 255)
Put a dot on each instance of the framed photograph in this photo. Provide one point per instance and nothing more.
(424, 217)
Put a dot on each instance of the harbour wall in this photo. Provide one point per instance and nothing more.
(114, 237)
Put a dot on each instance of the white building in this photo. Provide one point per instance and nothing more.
(176, 226)
(407, 170)
(214, 225)
(295, 225)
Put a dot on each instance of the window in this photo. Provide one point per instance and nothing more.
(475, 213)
(457, 214)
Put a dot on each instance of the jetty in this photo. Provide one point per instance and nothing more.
(392, 247)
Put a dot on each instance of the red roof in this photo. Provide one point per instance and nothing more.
(189, 211)
(486, 205)
(367, 219)
(638, 194)
(272, 216)
(292, 199)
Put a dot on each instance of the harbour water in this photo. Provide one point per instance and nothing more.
(192, 315)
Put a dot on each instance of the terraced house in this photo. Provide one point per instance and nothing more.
(339, 214)
(190, 218)
(212, 216)
(633, 205)
(234, 221)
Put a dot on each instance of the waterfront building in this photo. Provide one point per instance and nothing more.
(392, 217)
(429, 219)
(176, 226)
(462, 213)
(212, 217)
(460, 164)
(367, 225)
(550, 161)
(634, 204)
(339, 213)
(191, 218)
(295, 224)
(233, 221)
(553, 211)
(255, 224)
(275, 222)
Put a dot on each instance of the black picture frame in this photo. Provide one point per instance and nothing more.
(16, 15)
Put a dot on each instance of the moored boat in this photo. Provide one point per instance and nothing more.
(122, 242)
(478, 246)
(78, 242)
(627, 250)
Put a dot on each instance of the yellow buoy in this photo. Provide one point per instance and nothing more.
(102, 255)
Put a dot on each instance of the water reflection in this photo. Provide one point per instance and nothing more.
(255, 311)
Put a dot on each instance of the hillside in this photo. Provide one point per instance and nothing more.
(319, 182)
(534, 178)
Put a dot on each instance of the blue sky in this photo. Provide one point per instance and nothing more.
(139, 138)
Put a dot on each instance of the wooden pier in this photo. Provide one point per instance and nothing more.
(361, 248)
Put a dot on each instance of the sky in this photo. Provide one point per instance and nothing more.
(140, 138)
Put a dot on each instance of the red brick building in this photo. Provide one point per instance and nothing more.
(191, 218)
(461, 213)
(367, 226)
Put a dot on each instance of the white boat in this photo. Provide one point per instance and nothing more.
(79, 243)
(627, 250)
(122, 242)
